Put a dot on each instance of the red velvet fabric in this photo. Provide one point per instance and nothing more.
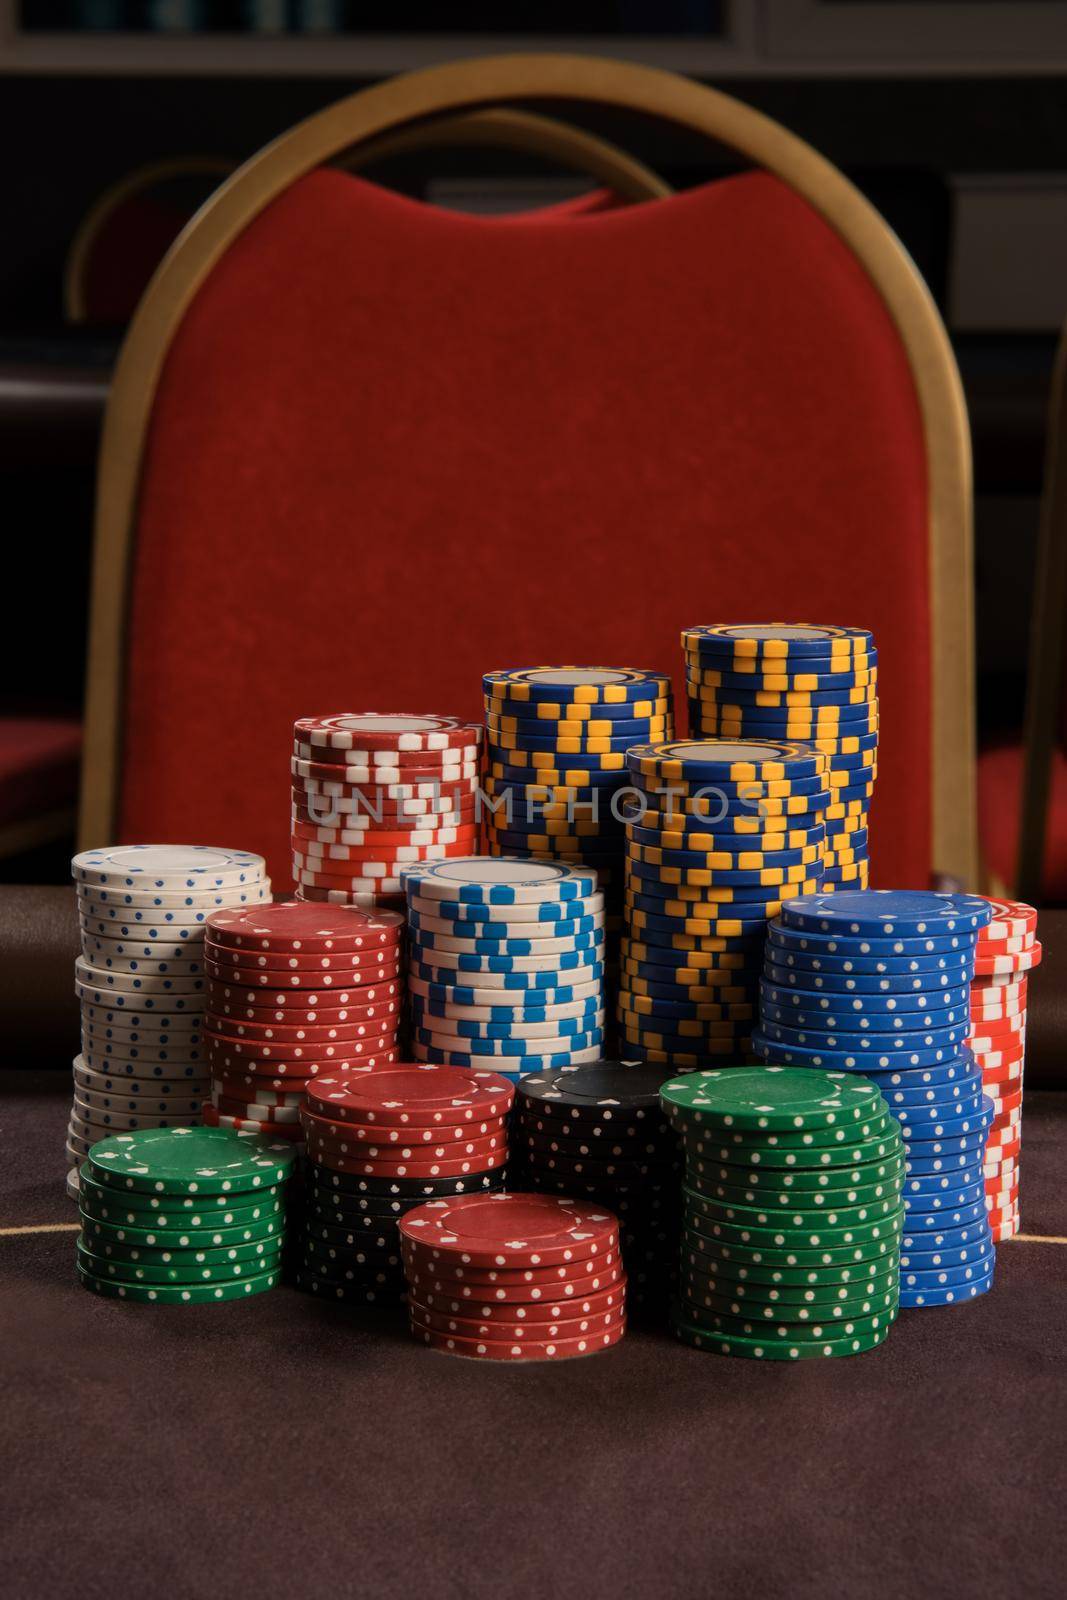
(1000, 789)
(394, 447)
(39, 760)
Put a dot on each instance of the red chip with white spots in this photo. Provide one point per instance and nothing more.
(288, 926)
(413, 1095)
(512, 1230)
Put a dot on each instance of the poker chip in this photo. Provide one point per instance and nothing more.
(381, 1141)
(141, 980)
(796, 685)
(703, 877)
(556, 741)
(182, 1215)
(173, 868)
(601, 1126)
(1007, 951)
(484, 920)
(372, 791)
(934, 1091)
(773, 1231)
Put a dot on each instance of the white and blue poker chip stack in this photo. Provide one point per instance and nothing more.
(141, 981)
(506, 963)
(720, 832)
(878, 982)
(798, 681)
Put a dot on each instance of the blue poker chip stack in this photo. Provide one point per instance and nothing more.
(797, 681)
(556, 741)
(878, 982)
(506, 963)
(719, 831)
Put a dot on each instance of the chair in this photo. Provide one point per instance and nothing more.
(126, 233)
(1022, 788)
(359, 450)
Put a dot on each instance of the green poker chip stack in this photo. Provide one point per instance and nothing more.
(792, 1212)
(183, 1216)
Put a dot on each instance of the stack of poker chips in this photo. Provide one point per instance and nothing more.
(878, 982)
(803, 682)
(372, 792)
(514, 1277)
(506, 963)
(142, 910)
(182, 1216)
(1007, 950)
(720, 831)
(382, 1141)
(556, 743)
(792, 1212)
(597, 1133)
(294, 990)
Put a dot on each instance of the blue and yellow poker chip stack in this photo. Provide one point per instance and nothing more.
(556, 744)
(719, 832)
(797, 681)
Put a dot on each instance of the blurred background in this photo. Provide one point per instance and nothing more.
(118, 118)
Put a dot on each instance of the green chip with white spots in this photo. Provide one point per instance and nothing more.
(213, 1238)
(819, 1158)
(809, 1289)
(867, 1318)
(191, 1161)
(772, 1099)
(179, 1293)
(759, 1347)
(820, 1141)
(798, 1216)
(185, 1204)
(183, 1268)
(813, 1201)
(819, 1237)
(772, 1258)
(162, 1256)
(819, 1179)
(120, 1214)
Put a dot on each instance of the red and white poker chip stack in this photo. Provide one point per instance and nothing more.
(372, 793)
(1007, 950)
(294, 990)
(514, 1277)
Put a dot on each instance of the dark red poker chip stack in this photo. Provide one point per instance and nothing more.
(382, 1141)
(295, 990)
(373, 793)
(514, 1277)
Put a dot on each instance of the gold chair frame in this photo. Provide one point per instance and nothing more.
(470, 86)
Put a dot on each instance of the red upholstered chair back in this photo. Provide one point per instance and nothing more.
(393, 447)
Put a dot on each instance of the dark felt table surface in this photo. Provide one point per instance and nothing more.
(279, 1445)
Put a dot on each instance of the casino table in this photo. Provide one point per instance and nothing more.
(282, 1443)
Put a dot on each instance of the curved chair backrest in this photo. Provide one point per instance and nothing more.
(126, 233)
(359, 450)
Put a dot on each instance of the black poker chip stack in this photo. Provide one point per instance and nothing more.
(598, 1133)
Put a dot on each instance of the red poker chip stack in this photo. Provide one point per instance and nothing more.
(1007, 951)
(372, 793)
(514, 1277)
(295, 990)
(380, 1142)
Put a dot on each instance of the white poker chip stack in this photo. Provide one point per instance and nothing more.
(506, 963)
(1007, 951)
(142, 912)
